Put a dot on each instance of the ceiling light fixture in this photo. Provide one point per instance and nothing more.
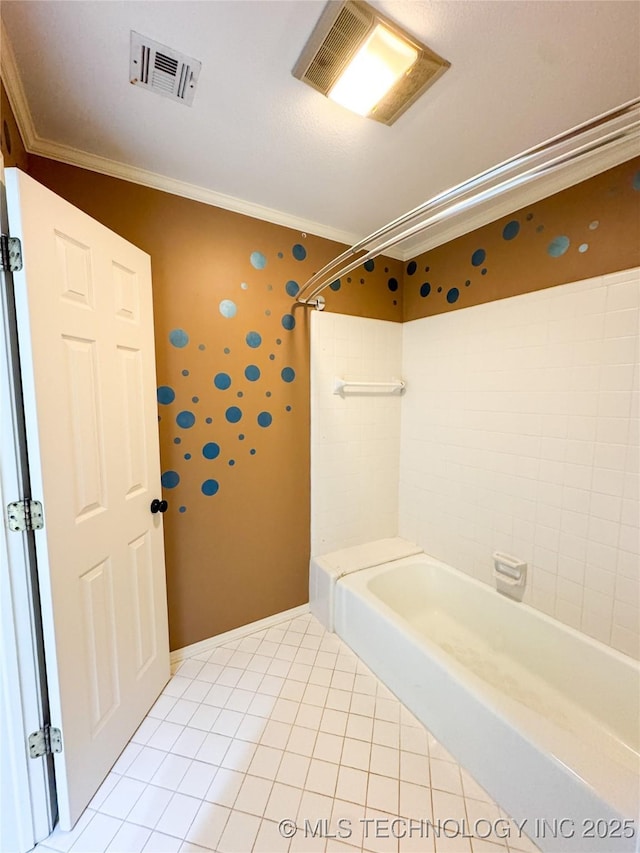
(363, 61)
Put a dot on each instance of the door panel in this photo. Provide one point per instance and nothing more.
(88, 367)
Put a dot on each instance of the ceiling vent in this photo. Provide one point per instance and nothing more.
(162, 69)
(338, 36)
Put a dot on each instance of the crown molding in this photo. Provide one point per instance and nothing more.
(573, 173)
(542, 187)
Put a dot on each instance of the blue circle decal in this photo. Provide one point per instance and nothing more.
(299, 252)
(425, 289)
(452, 295)
(170, 479)
(233, 414)
(558, 246)
(288, 374)
(222, 381)
(369, 265)
(292, 288)
(511, 229)
(185, 419)
(477, 259)
(228, 308)
(583, 247)
(335, 285)
(392, 284)
(258, 260)
(211, 450)
(210, 487)
(252, 372)
(166, 395)
(264, 419)
(182, 509)
(253, 339)
(179, 338)
(636, 181)
(412, 266)
(288, 321)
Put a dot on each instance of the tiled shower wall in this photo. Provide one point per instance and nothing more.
(520, 434)
(355, 438)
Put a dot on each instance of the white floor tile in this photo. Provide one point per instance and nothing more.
(253, 795)
(224, 787)
(208, 825)
(122, 798)
(130, 838)
(197, 780)
(286, 723)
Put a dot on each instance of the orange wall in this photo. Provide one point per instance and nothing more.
(587, 230)
(240, 553)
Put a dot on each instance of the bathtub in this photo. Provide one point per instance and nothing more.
(546, 719)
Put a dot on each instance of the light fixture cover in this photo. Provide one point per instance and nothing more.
(352, 41)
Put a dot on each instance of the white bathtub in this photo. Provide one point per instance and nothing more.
(546, 719)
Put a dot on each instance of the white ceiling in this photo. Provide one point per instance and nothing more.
(521, 72)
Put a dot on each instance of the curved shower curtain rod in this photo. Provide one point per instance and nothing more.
(548, 157)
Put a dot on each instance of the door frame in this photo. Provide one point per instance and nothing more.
(27, 796)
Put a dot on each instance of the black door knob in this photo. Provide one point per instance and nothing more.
(158, 506)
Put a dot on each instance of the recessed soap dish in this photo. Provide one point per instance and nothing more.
(510, 574)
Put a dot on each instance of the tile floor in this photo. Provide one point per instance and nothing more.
(286, 723)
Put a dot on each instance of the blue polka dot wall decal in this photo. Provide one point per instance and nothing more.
(211, 450)
(583, 247)
(258, 260)
(233, 414)
(412, 266)
(253, 339)
(209, 420)
(511, 229)
(222, 381)
(182, 509)
(369, 265)
(288, 321)
(228, 308)
(185, 372)
(288, 374)
(166, 395)
(210, 487)
(201, 346)
(288, 408)
(467, 282)
(232, 462)
(452, 295)
(170, 479)
(392, 284)
(186, 420)
(252, 451)
(299, 252)
(636, 182)
(529, 217)
(244, 285)
(187, 456)
(177, 441)
(292, 288)
(593, 225)
(240, 394)
(271, 357)
(178, 338)
(425, 289)
(483, 271)
(278, 341)
(280, 255)
(558, 246)
(241, 436)
(252, 372)
(267, 313)
(264, 419)
(477, 259)
(335, 285)
(195, 399)
(268, 394)
(226, 350)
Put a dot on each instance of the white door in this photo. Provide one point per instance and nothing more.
(87, 354)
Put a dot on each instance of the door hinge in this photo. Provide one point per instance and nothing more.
(25, 515)
(10, 254)
(45, 741)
